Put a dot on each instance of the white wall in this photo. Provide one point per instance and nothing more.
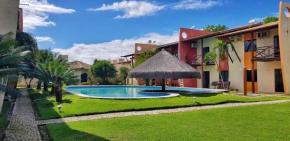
(266, 70)
(214, 74)
(8, 16)
(78, 72)
(266, 76)
(236, 68)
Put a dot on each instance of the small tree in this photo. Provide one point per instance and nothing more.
(104, 70)
(270, 19)
(220, 50)
(215, 28)
(123, 72)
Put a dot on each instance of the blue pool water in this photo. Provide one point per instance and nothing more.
(128, 91)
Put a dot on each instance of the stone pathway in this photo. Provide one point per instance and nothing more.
(152, 112)
(22, 125)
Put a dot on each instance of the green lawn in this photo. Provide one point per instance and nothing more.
(74, 105)
(3, 115)
(262, 122)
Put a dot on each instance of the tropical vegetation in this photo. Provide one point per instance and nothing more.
(215, 28)
(270, 19)
(11, 57)
(123, 74)
(220, 52)
(103, 70)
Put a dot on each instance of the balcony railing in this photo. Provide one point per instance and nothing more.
(267, 53)
(195, 60)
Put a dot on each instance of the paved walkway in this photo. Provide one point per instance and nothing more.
(22, 125)
(152, 112)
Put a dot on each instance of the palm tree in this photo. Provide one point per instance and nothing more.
(123, 72)
(10, 58)
(220, 51)
(29, 43)
(55, 72)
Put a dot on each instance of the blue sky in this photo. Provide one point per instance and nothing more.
(106, 29)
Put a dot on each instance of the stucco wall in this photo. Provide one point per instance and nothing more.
(236, 68)
(266, 70)
(8, 16)
(214, 74)
(78, 72)
(266, 76)
(284, 28)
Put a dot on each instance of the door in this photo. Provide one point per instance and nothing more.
(206, 79)
(84, 77)
(276, 46)
(279, 87)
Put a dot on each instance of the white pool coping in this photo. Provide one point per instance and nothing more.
(170, 94)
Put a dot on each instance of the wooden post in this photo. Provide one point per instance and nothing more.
(253, 63)
(245, 81)
(202, 79)
(163, 84)
(234, 49)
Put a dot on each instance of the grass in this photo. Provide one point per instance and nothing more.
(261, 122)
(3, 115)
(74, 105)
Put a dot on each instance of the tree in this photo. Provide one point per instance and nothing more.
(28, 42)
(215, 28)
(123, 72)
(270, 19)
(142, 58)
(55, 72)
(220, 51)
(10, 58)
(103, 69)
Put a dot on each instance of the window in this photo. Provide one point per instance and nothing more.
(249, 75)
(225, 75)
(205, 50)
(248, 45)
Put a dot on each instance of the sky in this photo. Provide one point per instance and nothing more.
(106, 29)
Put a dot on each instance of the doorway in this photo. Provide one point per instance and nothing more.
(206, 79)
(279, 87)
(84, 77)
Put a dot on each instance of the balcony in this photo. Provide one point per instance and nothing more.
(195, 60)
(267, 53)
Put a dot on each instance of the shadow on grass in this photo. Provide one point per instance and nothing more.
(198, 95)
(63, 132)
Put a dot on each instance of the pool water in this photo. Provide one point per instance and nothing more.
(124, 92)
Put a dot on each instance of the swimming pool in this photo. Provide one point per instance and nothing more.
(130, 92)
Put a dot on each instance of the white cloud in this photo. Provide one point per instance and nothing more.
(35, 13)
(44, 39)
(131, 9)
(113, 49)
(258, 19)
(195, 4)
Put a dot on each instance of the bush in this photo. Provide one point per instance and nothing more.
(85, 83)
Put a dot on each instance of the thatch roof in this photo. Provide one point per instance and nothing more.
(164, 65)
(79, 65)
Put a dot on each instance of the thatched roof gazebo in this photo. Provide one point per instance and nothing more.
(164, 65)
